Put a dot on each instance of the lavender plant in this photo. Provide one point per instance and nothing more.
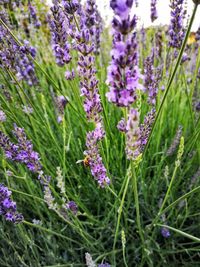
(8, 207)
(61, 104)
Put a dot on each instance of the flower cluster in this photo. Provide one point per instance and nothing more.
(154, 13)
(84, 42)
(98, 170)
(91, 263)
(33, 15)
(145, 129)
(104, 265)
(58, 26)
(151, 79)
(175, 141)
(94, 22)
(176, 29)
(15, 57)
(197, 36)
(2, 116)
(165, 232)
(8, 207)
(132, 135)
(71, 205)
(89, 86)
(61, 102)
(136, 135)
(123, 72)
(22, 151)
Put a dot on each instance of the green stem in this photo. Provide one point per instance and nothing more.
(168, 190)
(137, 207)
(124, 257)
(128, 177)
(179, 199)
(194, 238)
(165, 198)
(49, 231)
(172, 76)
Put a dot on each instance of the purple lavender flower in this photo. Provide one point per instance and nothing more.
(89, 88)
(58, 26)
(121, 126)
(154, 13)
(165, 232)
(121, 8)
(61, 102)
(123, 73)
(33, 16)
(69, 75)
(104, 265)
(71, 205)
(145, 129)
(185, 58)
(8, 207)
(71, 6)
(2, 116)
(22, 151)
(83, 42)
(15, 57)
(98, 170)
(197, 35)
(151, 79)
(176, 29)
(93, 22)
(197, 107)
(3, 2)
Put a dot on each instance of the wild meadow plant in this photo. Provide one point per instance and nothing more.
(99, 136)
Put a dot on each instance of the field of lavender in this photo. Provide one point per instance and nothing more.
(99, 136)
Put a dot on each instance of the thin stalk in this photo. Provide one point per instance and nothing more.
(137, 207)
(172, 76)
(128, 178)
(50, 231)
(179, 199)
(194, 238)
(25, 194)
(124, 256)
(165, 198)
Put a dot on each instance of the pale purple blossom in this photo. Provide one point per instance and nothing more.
(8, 208)
(176, 29)
(123, 72)
(154, 12)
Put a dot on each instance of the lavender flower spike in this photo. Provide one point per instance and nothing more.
(33, 15)
(151, 79)
(98, 170)
(8, 207)
(22, 151)
(123, 73)
(154, 13)
(165, 232)
(59, 34)
(176, 30)
(84, 44)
